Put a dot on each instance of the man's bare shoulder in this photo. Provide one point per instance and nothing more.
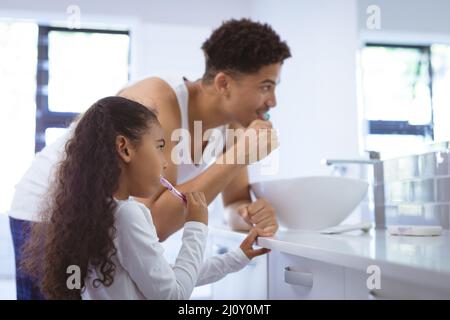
(154, 93)
(151, 90)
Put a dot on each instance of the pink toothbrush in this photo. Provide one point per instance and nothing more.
(172, 189)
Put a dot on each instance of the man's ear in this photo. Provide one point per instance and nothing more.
(123, 148)
(222, 82)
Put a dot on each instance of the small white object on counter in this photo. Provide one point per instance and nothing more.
(424, 231)
(364, 226)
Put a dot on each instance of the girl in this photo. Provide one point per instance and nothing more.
(93, 224)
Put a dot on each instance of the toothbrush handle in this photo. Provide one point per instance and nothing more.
(179, 195)
(183, 197)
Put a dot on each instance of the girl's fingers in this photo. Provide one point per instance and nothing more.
(251, 237)
(202, 196)
(192, 198)
(198, 197)
(247, 244)
(259, 252)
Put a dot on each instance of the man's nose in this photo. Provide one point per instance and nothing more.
(272, 102)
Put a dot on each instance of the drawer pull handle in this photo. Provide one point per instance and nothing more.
(298, 278)
(376, 295)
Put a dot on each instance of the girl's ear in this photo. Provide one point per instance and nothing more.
(123, 148)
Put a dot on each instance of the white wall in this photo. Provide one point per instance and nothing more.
(317, 112)
(406, 22)
(192, 12)
(409, 16)
(169, 51)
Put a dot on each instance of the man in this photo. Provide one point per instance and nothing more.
(243, 63)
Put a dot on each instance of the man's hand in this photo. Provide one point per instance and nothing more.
(257, 141)
(261, 214)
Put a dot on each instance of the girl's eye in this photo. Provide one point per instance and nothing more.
(161, 144)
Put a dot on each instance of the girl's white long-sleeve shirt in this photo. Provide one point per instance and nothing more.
(142, 272)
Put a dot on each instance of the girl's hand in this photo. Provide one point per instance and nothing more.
(197, 208)
(247, 244)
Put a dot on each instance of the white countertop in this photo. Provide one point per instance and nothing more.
(423, 260)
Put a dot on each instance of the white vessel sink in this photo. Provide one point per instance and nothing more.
(312, 203)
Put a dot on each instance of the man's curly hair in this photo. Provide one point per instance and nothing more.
(242, 46)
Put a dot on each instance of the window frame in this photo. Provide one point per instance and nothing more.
(384, 127)
(44, 117)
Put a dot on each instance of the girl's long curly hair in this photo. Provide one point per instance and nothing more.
(77, 225)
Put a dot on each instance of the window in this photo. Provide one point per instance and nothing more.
(49, 75)
(405, 102)
(76, 67)
(441, 91)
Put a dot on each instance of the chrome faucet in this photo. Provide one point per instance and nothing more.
(378, 184)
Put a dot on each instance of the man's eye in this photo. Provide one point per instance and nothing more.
(266, 88)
